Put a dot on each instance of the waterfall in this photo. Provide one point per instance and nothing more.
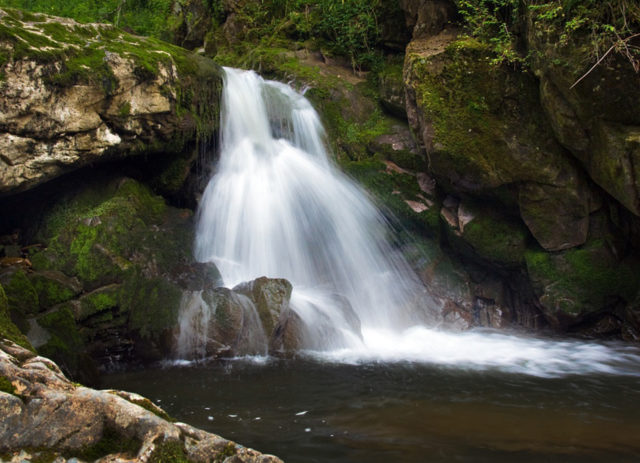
(278, 207)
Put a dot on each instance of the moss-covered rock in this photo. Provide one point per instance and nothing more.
(477, 231)
(54, 287)
(483, 128)
(74, 94)
(21, 295)
(271, 298)
(8, 330)
(64, 344)
(581, 280)
(128, 255)
(598, 119)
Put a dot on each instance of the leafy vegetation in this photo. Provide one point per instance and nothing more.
(144, 17)
(607, 25)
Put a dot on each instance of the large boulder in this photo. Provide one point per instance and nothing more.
(247, 320)
(598, 118)
(46, 417)
(109, 277)
(483, 129)
(74, 94)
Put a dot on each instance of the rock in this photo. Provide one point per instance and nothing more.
(483, 233)
(270, 296)
(580, 281)
(427, 17)
(43, 410)
(598, 120)
(64, 106)
(290, 334)
(8, 330)
(116, 263)
(391, 89)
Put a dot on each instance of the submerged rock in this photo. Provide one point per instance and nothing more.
(45, 416)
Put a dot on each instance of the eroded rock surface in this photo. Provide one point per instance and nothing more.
(74, 94)
(41, 409)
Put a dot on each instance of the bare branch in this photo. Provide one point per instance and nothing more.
(624, 42)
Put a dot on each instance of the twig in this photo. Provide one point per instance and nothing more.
(603, 57)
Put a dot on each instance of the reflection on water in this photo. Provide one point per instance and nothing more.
(307, 411)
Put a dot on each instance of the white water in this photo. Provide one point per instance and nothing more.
(278, 207)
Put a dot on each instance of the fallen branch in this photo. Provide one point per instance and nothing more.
(624, 42)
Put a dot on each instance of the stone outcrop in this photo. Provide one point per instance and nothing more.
(46, 417)
(537, 179)
(76, 94)
(106, 279)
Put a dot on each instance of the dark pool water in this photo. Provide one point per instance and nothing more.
(309, 411)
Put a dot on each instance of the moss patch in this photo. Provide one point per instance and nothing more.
(8, 330)
(169, 451)
(582, 279)
(65, 345)
(110, 442)
(21, 295)
(6, 386)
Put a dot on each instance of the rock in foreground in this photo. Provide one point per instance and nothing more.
(43, 410)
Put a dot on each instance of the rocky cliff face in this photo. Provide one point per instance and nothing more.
(537, 177)
(76, 94)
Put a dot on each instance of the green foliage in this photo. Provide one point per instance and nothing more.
(144, 17)
(65, 344)
(603, 24)
(582, 279)
(349, 28)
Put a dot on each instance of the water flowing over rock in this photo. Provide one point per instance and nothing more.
(46, 416)
(278, 207)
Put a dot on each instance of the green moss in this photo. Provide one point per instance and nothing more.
(50, 291)
(99, 301)
(21, 294)
(169, 451)
(470, 102)
(8, 330)
(497, 238)
(111, 442)
(65, 345)
(152, 304)
(392, 190)
(582, 279)
(6, 386)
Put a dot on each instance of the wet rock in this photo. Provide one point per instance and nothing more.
(43, 410)
(270, 296)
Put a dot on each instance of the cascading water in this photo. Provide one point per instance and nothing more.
(278, 207)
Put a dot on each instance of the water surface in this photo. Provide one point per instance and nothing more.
(313, 411)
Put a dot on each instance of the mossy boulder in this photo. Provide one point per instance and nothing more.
(575, 282)
(598, 118)
(271, 297)
(121, 259)
(21, 295)
(8, 330)
(484, 233)
(75, 94)
(483, 128)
